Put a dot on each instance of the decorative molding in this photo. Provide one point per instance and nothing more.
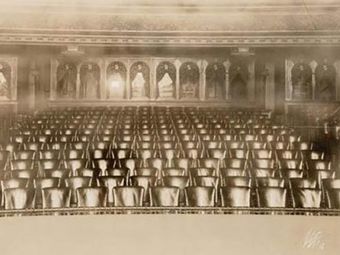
(175, 41)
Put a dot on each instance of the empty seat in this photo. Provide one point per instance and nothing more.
(237, 181)
(164, 196)
(185, 163)
(24, 155)
(77, 182)
(22, 164)
(272, 196)
(56, 198)
(92, 197)
(303, 183)
(144, 181)
(19, 198)
(102, 164)
(270, 182)
(173, 172)
(43, 183)
(262, 154)
(128, 196)
(74, 164)
(234, 196)
(147, 171)
(74, 154)
(110, 182)
(49, 164)
(29, 174)
(319, 165)
(307, 197)
(118, 172)
(177, 181)
(200, 196)
(56, 173)
(49, 154)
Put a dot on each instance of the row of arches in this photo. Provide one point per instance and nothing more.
(139, 82)
(322, 80)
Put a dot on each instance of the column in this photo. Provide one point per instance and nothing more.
(178, 66)
(153, 63)
(313, 66)
(251, 80)
(128, 87)
(102, 84)
(53, 79)
(78, 82)
(203, 65)
(227, 85)
(269, 85)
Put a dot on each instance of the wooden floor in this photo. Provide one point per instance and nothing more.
(170, 235)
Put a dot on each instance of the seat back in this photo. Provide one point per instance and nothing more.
(272, 196)
(173, 172)
(144, 181)
(77, 182)
(200, 196)
(56, 198)
(164, 196)
(110, 182)
(56, 173)
(128, 196)
(307, 197)
(18, 198)
(92, 197)
(235, 196)
(22, 164)
(333, 198)
(226, 172)
(270, 182)
(237, 181)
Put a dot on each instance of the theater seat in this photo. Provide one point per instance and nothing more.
(200, 196)
(164, 196)
(272, 197)
(19, 198)
(92, 197)
(235, 196)
(128, 196)
(56, 198)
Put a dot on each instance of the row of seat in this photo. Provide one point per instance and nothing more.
(78, 192)
(161, 156)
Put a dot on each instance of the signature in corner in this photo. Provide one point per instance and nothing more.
(314, 240)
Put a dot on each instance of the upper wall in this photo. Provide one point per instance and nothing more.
(178, 23)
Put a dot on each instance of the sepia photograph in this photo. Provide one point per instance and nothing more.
(170, 127)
